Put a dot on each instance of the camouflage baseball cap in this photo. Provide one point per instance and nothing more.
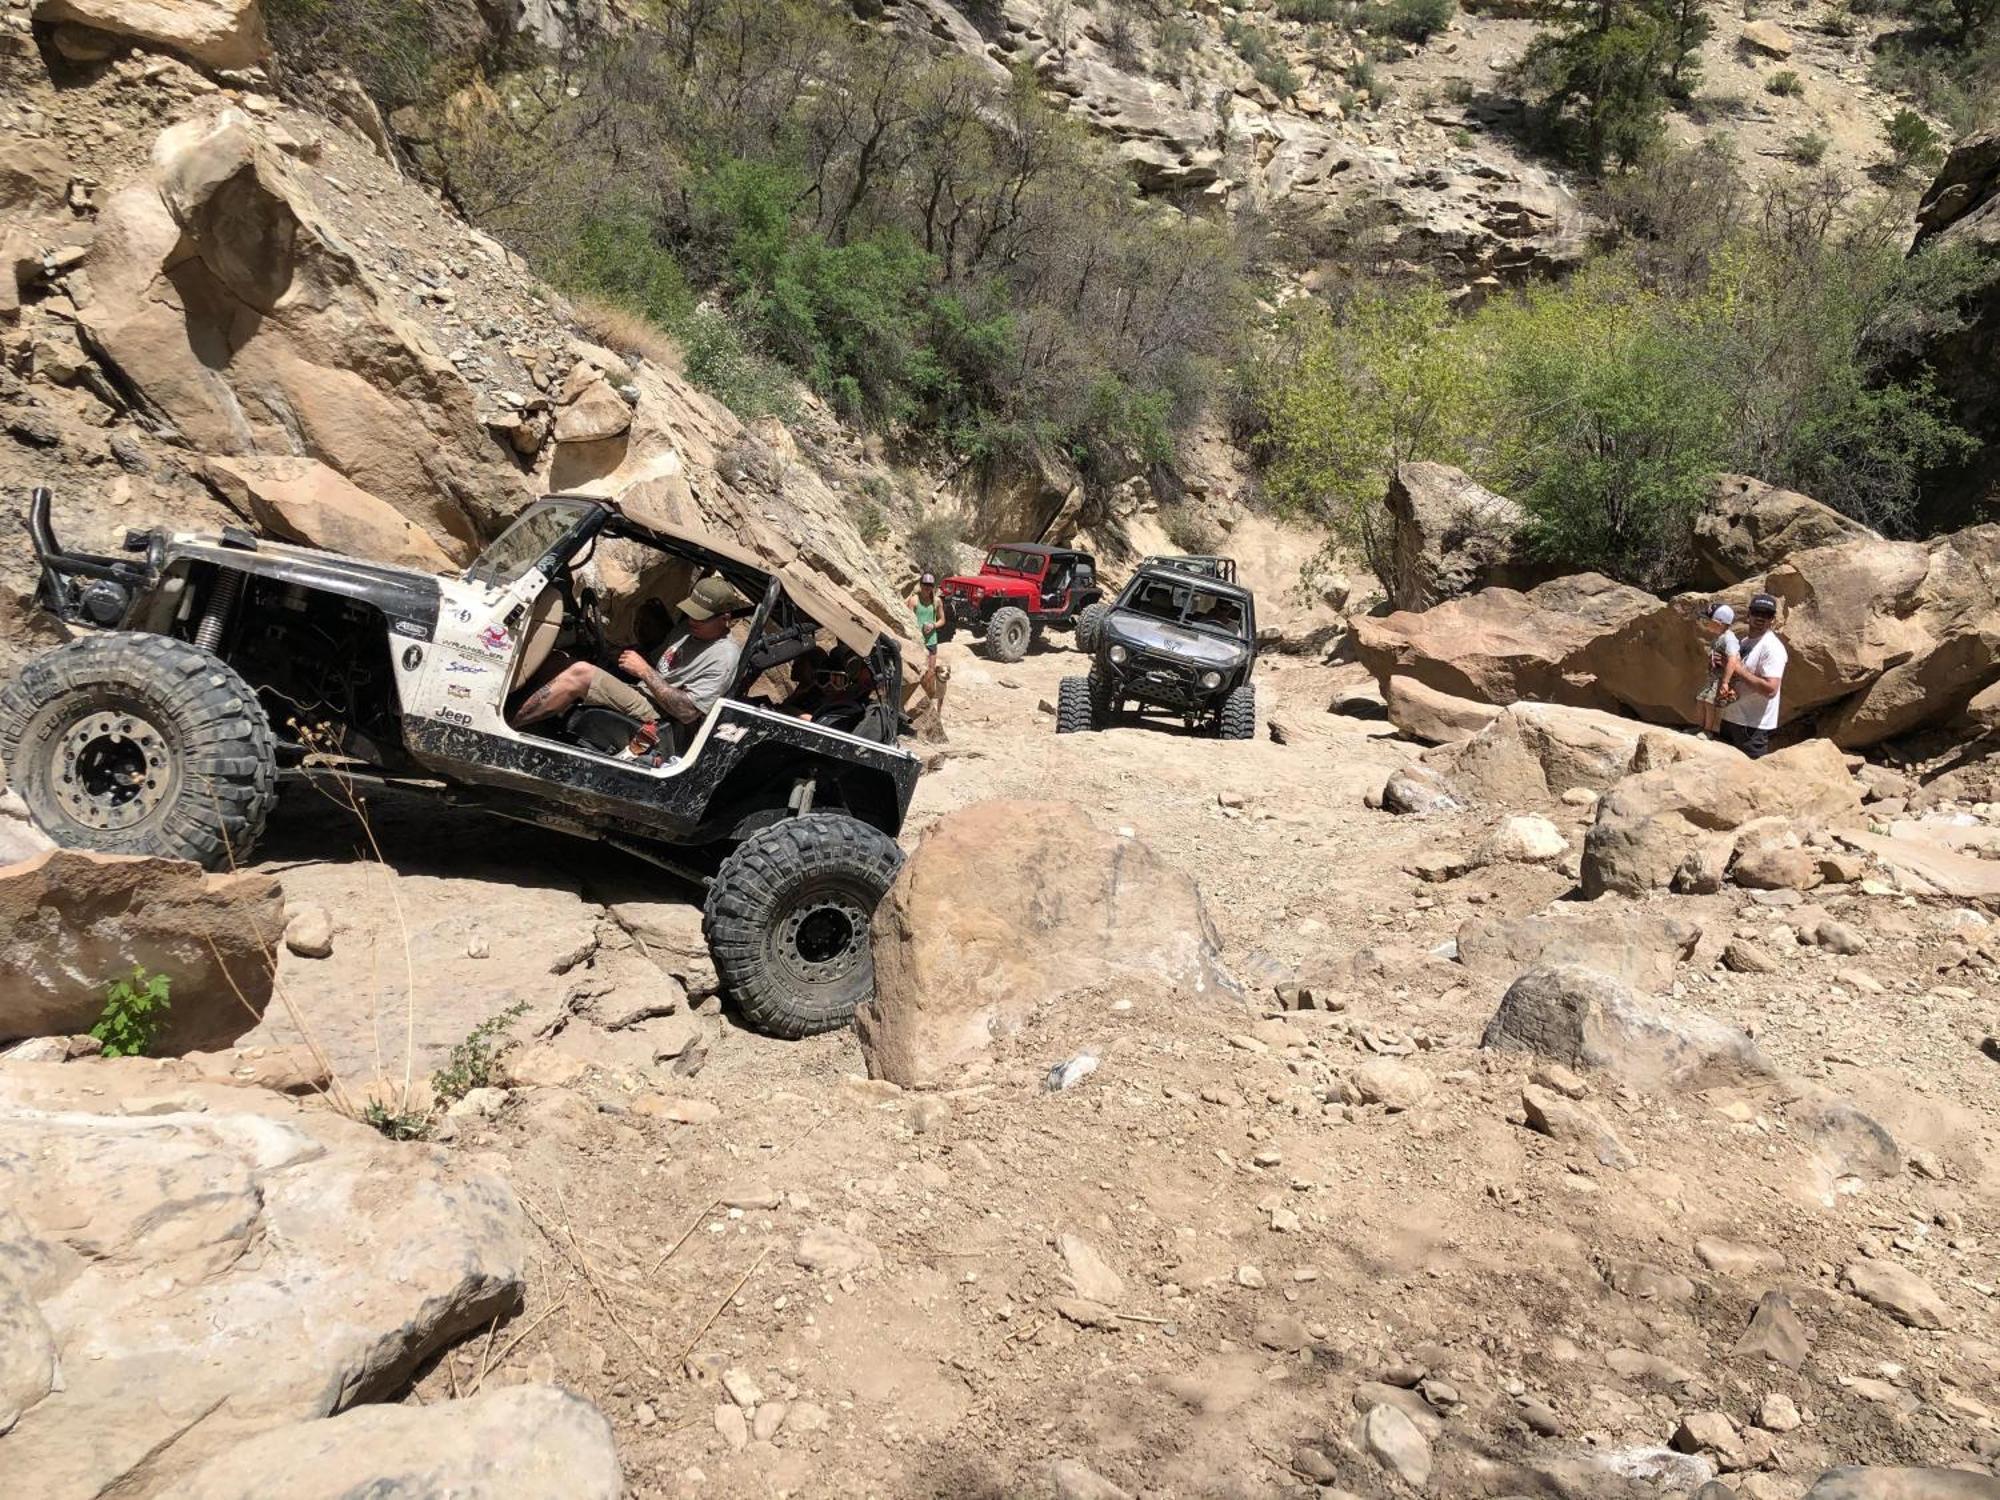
(713, 596)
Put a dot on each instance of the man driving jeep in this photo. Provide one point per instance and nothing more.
(693, 668)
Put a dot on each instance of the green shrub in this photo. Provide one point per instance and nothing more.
(1315, 10)
(1785, 83)
(1412, 20)
(1174, 40)
(1808, 148)
(1278, 76)
(1913, 145)
(133, 1013)
(470, 1065)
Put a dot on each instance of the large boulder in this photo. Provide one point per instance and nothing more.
(75, 922)
(1586, 1019)
(1451, 535)
(1852, 1482)
(1534, 752)
(528, 1442)
(1423, 713)
(302, 500)
(1009, 906)
(1883, 637)
(1693, 810)
(214, 1262)
(215, 33)
(1748, 526)
(227, 302)
(1640, 949)
(1549, 645)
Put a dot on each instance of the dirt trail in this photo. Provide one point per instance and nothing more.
(875, 1270)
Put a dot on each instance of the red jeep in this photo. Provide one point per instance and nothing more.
(1020, 589)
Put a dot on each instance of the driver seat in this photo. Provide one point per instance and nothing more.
(604, 730)
(538, 637)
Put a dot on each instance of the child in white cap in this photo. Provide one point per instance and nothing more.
(1722, 646)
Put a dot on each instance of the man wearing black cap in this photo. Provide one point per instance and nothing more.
(1754, 680)
(695, 667)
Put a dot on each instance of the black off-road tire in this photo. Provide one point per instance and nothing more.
(1239, 713)
(787, 920)
(1008, 634)
(140, 744)
(1103, 702)
(1073, 714)
(1089, 625)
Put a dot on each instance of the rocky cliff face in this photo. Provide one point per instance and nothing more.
(1403, 153)
(192, 271)
(1963, 208)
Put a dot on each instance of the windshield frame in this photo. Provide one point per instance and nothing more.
(1035, 564)
(1193, 583)
(499, 564)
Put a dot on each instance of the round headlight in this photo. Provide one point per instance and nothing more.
(1118, 655)
(1211, 679)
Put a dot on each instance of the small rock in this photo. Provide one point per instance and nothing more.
(1394, 1442)
(479, 1104)
(1838, 937)
(835, 1251)
(1902, 1294)
(735, 1429)
(1557, 1078)
(1281, 1331)
(1740, 957)
(1090, 1275)
(680, 1111)
(1580, 796)
(1709, 1432)
(476, 946)
(806, 1417)
(1775, 1333)
(1527, 840)
(738, 1385)
(1076, 1481)
(1729, 1258)
(309, 931)
(1566, 1120)
(1540, 1416)
(1395, 1085)
(1778, 1413)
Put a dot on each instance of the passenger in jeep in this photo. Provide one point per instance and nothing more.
(692, 670)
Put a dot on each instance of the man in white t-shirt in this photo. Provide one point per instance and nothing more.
(1756, 677)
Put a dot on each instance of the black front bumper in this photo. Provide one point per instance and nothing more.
(1163, 683)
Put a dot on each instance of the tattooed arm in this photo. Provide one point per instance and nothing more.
(676, 703)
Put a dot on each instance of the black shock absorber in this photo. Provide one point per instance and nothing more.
(222, 597)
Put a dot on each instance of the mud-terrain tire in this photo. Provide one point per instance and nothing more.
(1089, 625)
(1103, 705)
(1239, 713)
(1073, 714)
(1008, 634)
(140, 744)
(787, 920)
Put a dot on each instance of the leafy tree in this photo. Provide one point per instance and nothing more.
(1611, 422)
(1349, 395)
(1602, 71)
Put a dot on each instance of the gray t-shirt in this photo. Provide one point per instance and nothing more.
(704, 670)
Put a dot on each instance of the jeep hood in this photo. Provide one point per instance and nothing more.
(1149, 634)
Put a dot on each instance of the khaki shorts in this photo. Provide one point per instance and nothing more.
(609, 690)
